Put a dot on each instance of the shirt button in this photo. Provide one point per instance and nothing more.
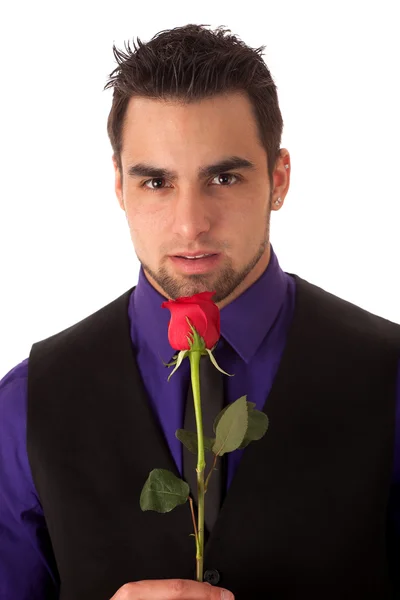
(212, 576)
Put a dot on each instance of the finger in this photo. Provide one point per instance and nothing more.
(171, 589)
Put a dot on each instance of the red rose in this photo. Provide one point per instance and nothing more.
(203, 314)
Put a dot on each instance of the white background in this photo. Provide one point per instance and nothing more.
(65, 248)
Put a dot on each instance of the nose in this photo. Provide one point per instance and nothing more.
(191, 214)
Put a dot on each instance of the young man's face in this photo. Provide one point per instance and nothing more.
(226, 212)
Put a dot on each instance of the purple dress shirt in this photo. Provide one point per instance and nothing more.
(256, 334)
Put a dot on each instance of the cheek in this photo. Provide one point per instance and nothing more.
(145, 208)
(145, 229)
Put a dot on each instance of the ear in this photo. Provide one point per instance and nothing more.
(281, 178)
(118, 183)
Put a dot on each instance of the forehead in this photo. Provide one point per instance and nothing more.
(224, 119)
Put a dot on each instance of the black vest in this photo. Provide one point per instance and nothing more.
(305, 516)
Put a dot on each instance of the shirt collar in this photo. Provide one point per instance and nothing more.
(244, 322)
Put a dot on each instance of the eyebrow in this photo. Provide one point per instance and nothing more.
(226, 164)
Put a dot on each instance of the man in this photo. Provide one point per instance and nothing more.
(312, 510)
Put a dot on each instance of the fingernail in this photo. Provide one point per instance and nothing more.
(227, 595)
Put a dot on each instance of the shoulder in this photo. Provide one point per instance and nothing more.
(13, 388)
(13, 404)
(346, 318)
(84, 334)
(16, 482)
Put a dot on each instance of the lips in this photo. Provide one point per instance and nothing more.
(194, 257)
(196, 265)
(195, 254)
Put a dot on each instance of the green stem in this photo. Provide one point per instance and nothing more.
(194, 357)
(210, 473)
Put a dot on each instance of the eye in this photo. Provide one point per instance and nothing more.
(225, 176)
(154, 179)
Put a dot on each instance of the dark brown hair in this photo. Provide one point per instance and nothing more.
(192, 63)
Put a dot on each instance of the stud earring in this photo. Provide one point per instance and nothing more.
(277, 202)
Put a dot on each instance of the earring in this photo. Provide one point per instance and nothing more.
(277, 202)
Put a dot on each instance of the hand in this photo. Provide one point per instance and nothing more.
(171, 589)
